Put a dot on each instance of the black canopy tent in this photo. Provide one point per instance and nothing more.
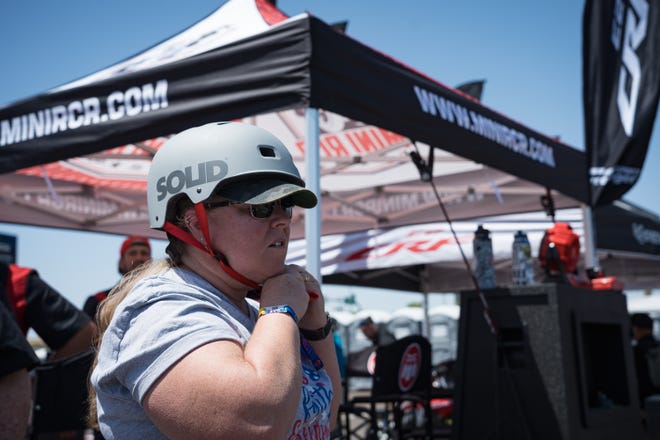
(628, 239)
(300, 63)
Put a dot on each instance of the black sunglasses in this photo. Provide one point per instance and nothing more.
(263, 210)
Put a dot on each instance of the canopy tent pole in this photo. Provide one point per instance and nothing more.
(313, 182)
(590, 257)
(425, 291)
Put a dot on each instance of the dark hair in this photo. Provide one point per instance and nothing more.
(641, 320)
(366, 321)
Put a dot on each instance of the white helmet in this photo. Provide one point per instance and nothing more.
(239, 161)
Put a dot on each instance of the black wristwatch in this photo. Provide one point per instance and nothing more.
(319, 333)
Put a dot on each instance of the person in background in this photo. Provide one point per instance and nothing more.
(376, 333)
(18, 359)
(63, 327)
(28, 302)
(134, 251)
(643, 340)
(339, 348)
(222, 339)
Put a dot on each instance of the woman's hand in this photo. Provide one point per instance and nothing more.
(286, 287)
(315, 316)
(297, 288)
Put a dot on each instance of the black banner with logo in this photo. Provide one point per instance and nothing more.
(624, 227)
(621, 85)
(380, 91)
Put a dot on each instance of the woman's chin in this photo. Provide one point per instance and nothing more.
(269, 270)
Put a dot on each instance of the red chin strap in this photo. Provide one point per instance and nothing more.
(191, 240)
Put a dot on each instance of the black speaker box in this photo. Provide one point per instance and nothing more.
(558, 366)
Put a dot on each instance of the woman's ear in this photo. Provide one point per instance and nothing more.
(191, 223)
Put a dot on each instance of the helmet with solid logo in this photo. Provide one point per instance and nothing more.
(238, 161)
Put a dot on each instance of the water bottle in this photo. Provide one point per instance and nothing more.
(521, 260)
(482, 248)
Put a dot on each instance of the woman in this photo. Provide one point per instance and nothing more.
(185, 353)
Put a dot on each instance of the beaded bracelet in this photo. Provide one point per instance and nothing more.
(283, 308)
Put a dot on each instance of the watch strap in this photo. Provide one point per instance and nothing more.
(319, 333)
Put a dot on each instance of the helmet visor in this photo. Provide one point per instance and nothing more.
(267, 190)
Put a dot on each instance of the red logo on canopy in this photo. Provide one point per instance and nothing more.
(411, 364)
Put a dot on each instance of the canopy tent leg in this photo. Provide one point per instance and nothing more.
(425, 291)
(313, 182)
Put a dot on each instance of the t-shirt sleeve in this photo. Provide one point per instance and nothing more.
(15, 351)
(154, 337)
(50, 314)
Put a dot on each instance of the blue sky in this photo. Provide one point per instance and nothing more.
(529, 53)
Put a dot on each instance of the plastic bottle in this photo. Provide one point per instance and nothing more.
(482, 248)
(521, 259)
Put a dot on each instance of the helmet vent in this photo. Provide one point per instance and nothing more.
(267, 151)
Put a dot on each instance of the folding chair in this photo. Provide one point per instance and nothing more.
(60, 395)
(354, 414)
(401, 377)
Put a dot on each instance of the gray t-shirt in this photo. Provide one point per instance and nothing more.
(161, 320)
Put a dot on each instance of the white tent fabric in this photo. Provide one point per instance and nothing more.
(431, 245)
(374, 257)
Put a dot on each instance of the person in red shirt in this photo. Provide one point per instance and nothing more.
(134, 251)
(36, 305)
(27, 303)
